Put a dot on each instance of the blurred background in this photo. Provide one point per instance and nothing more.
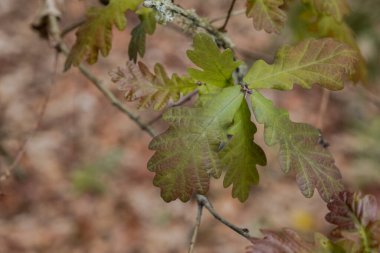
(82, 183)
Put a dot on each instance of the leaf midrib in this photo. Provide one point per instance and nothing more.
(293, 69)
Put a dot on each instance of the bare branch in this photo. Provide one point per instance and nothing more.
(72, 27)
(196, 227)
(189, 18)
(323, 108)
(203, 200)
(109, 95)
(234, 13)
(223, 28)
(53, 30)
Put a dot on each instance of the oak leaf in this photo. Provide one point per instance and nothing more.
(299, 149)
(217, 67)
(266, 14)
(325, 62)
(241, 155)
(187, 154)
(95, 35)
(148, 88)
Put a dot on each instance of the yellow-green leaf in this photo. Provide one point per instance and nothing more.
(266, 14)
(217, 67)
(299, 149)
(95, 35)
(325, 62)
(187, 154)
(241, 155)
(335, 8)
(151, 89)
(147, 25)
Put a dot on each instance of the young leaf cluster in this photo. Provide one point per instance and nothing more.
(216, 135)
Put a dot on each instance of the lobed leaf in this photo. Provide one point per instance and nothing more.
(266, 14)
(307, 22)
(217, 67)
(299, 149)
(335, 8)
(286, 241)
(355, 218)
(150, 89)
(324, 62)
(146, 26)
(95, 35)
(241, 155)
(350, 211)
(187, 154)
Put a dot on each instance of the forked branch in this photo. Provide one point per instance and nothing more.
(203, 200)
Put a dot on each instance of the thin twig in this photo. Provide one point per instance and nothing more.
(206, 203)
(72, 27)
(109, 95)
(52, 13)
(323, 108)
(234, 13)
(196, 227)
(8, 172)
(223, 27)
(54, 31)
(190, 19)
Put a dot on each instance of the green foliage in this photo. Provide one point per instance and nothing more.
(95, 35)
(321, 19)
(187, 154)
(146, 26)
(324, 62)
(299, 149)
(150, 89)
(217, 66)
(241, 155)
(334, 8)
(90, 177)
(267, 15)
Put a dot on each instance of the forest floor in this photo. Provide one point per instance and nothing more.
(82, 184)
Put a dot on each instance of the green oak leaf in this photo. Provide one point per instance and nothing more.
(187, 154)
(146, 26)
(217, 67)
(95, 35)
(335, 8)
(324, 62)
(266, 14)
(241, 155)
(299, 149)
(151, 89)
